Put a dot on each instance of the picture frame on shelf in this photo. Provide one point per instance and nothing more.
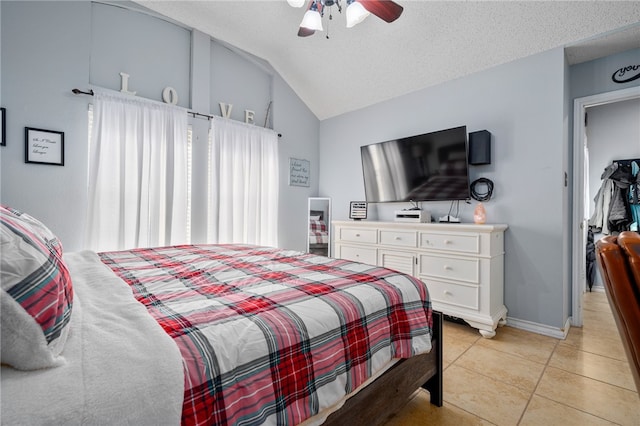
(43, 146)
(3, 123)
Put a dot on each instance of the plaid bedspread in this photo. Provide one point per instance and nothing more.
(273, 336)
(318, 232)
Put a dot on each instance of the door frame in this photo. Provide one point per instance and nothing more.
(579, 267)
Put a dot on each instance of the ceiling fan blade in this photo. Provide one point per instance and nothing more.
(386, 10)
(305, 32)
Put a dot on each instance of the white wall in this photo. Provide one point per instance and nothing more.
(522, 105)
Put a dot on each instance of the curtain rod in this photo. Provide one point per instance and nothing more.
(209, 117)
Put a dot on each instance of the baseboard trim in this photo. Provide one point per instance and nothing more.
(546, 330)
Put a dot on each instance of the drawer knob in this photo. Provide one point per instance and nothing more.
(398, 238)
(448, 293)
(357, 235)
(448, 268)
(447, 241)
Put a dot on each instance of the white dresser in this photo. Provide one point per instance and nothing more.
(462, 264)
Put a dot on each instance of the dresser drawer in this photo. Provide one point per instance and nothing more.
(450, 242)
(466, 296)
(358, 235)
(450, 268)
(358, 254)
(397, 260)
(398, 238)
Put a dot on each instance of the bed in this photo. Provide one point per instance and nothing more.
(206, 334)
(318, 233)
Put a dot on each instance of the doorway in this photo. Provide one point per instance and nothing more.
(580, 194)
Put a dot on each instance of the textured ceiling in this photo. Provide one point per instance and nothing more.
(432, 42)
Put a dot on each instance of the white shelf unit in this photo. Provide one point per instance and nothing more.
(462, 264)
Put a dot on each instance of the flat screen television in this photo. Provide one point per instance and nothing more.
(427, 167)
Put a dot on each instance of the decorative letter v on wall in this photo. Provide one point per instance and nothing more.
(225, 109)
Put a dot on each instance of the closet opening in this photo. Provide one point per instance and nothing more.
(582, 197)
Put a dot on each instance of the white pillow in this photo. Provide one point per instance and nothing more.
(36, 297)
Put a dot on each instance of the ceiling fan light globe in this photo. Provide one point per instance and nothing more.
(356, 13)
(312, 20)
(296, 3)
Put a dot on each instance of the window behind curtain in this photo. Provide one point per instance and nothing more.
(243, 184)
(139, 174)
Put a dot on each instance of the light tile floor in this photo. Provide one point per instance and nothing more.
(522, 378)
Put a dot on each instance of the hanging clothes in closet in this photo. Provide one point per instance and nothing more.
(617, 207)
(591, 259)
(634, 197)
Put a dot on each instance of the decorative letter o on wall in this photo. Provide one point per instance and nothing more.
(170, 96)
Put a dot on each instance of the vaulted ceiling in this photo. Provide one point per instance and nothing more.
(432, 42)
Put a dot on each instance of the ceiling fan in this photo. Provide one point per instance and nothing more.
(357, 11)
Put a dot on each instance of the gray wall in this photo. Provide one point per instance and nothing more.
(522, 104)
(525, 104)
(155, 53)
(45, 54)
(594, 77)
(49, 48)
(300, 139)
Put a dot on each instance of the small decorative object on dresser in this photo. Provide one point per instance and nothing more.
(462, 264)
(479, 214)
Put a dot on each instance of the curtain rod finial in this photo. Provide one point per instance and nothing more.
(80, 92)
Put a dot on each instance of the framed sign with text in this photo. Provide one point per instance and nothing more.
(43, 146)
(298, 172)
(358, 210)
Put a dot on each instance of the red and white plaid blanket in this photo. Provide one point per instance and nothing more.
(318, 233)
(274, 336)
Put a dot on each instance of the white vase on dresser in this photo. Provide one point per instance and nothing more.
(462, 264)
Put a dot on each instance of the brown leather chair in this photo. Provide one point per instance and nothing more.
(619, 261)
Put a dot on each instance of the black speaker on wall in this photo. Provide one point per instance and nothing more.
(480, 147)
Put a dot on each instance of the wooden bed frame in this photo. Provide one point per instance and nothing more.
(384, 397)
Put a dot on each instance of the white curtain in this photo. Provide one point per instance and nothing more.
(138, 183)
(243, 184)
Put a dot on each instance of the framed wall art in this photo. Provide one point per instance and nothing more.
(3, 123)
(43, 146)
(298, 172)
